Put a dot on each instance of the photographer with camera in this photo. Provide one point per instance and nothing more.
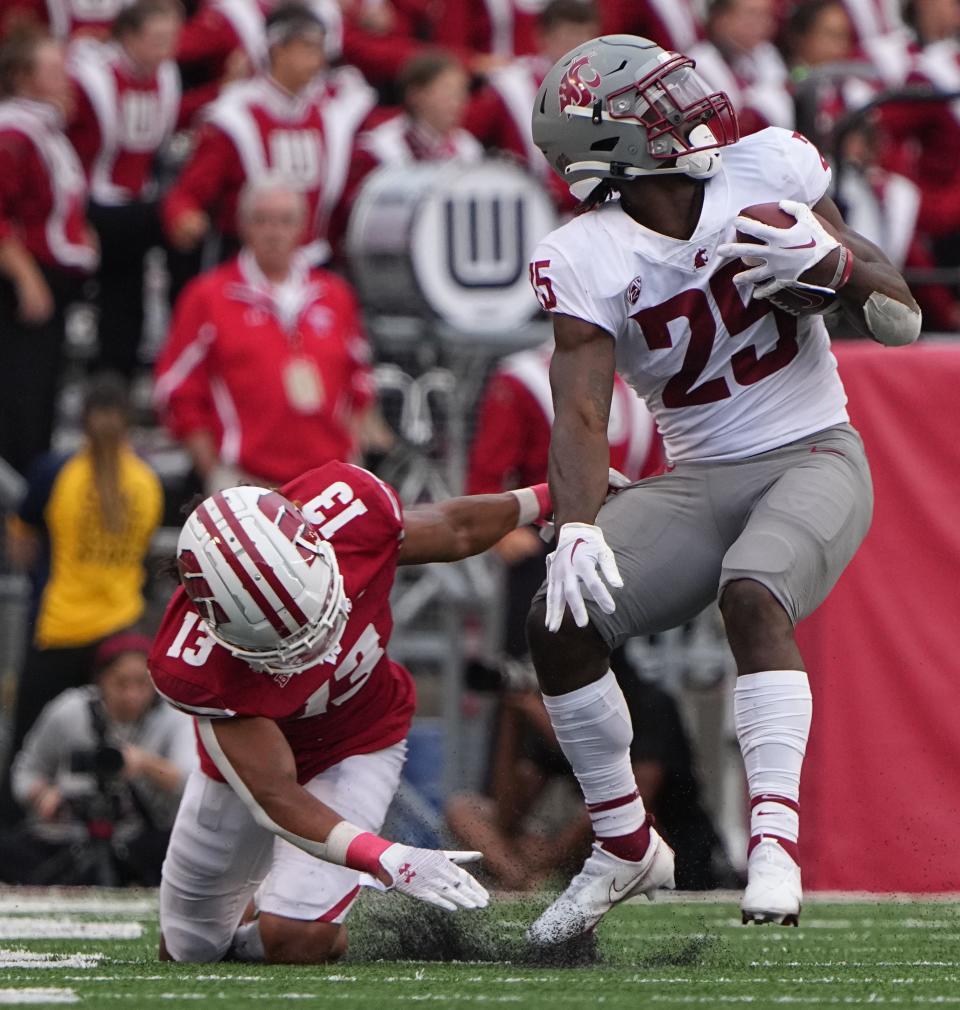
(100, 776)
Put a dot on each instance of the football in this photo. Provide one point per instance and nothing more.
(797, 302)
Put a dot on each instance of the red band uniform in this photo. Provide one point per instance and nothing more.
(123, 117)
(256, 128)
(42, 200)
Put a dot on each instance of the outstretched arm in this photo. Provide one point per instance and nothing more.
(254, 757)
(461, 527)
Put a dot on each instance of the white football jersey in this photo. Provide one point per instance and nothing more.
(724, 379)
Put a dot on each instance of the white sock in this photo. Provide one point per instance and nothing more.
(247, 945)
(594, 731)
(772, 711)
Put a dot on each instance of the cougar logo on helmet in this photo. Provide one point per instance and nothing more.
(576, 86)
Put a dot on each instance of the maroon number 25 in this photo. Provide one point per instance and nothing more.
(693, 305)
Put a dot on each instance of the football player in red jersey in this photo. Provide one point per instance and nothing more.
(275, 643)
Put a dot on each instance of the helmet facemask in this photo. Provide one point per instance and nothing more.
(673, 105)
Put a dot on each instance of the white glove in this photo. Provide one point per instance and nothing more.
(581, 550)
(433, 876)
(788, 252)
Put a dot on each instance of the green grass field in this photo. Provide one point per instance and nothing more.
(98, 950)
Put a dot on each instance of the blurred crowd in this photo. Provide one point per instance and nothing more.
(235, 137)
(126, 127)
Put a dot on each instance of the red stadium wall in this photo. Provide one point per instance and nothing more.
(881, 797)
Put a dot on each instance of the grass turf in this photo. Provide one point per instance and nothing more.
(670, 954)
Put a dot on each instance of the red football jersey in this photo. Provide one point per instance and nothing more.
(360, 702)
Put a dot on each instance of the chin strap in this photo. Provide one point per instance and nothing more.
(697, 165)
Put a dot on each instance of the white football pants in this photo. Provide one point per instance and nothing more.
(219, 857)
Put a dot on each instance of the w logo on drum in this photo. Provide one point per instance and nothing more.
(486, 239)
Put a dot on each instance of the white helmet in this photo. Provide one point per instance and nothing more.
(267, 587)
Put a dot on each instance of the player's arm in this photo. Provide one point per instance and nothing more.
(876, 297)
(254, 757)
(807, 254)
(581, 380)
(461, 527)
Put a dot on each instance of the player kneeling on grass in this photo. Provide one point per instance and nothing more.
(768, 492)
(276, 643)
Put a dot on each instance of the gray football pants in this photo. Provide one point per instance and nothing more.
(790, 519)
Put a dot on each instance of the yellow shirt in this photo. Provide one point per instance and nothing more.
(96, 576)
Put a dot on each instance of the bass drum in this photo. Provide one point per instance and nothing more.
(451, 242)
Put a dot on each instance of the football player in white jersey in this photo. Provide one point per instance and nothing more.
(767, 494)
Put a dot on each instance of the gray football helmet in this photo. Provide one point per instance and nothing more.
(620, 106)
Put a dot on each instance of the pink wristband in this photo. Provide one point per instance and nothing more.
(542, 491)
(534, 504)
(364, 853)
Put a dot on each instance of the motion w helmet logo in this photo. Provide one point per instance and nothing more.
(485, 239)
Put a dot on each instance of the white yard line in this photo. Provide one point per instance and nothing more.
(145, 901)
(871, 998)
(76, 899)
(854, 964)
(809, 898)
(32, 959)
(22, 927)
(9, 996)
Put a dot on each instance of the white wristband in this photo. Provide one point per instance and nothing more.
(529, 505)
(338, 841)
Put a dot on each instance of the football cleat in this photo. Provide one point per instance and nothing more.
(604, 881)
(774, 893)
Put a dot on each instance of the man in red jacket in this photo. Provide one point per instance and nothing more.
(265, 371)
